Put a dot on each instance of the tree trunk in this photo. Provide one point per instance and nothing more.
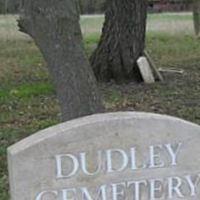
(122, 41)
(196, 16)
(54, 25)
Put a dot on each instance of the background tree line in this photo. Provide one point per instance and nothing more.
(9, 6)
(86, 6)
(92, 6)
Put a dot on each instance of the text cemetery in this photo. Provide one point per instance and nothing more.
(169, 187)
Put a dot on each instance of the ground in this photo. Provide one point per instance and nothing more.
(27, 96)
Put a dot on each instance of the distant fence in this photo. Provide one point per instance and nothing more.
(173, 6)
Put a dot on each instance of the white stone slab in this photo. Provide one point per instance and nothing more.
(129, 156)
(145, 70)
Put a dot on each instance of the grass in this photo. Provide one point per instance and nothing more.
(163, 22)
(27, 96)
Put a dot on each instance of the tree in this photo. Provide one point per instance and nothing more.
(122, 40)
(54, 26)
(196, 17)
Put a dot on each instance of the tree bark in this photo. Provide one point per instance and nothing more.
(196, 17)
(54, 26)
(122, 41)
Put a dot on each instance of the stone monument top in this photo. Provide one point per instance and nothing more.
(113, 156)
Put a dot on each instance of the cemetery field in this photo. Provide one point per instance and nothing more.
(27, 96)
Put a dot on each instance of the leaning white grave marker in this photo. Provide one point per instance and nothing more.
(145, 70)
(115, 156)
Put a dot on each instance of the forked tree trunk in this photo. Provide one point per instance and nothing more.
(54, 26)
(122, 40)
(196, 16)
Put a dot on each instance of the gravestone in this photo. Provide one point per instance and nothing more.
(145, 70)
(114, 156)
